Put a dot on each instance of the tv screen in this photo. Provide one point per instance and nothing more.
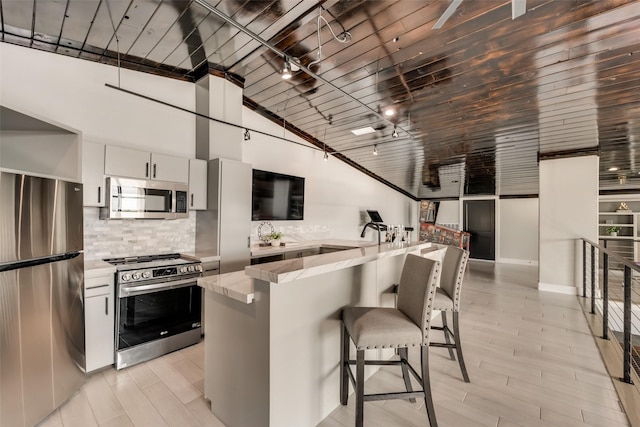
(277, 196)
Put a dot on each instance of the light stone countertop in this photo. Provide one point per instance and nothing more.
(261, 251)
(98, 268)
(299, 268)
(238, 285)
(235, 285)
(202, 256)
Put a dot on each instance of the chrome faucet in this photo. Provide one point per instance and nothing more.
(376, 226)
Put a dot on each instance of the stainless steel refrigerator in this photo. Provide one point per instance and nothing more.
(41, 297)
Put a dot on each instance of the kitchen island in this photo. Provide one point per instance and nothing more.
(272, 332)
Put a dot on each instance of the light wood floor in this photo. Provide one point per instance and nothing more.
(530, 357)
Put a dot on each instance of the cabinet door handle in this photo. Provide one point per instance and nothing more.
(99, 188)
(106, 306)
(146, 173)
(154, 170)
(191, 199)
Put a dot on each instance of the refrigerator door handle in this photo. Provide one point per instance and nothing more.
(14, 265)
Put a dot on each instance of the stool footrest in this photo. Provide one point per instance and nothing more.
(378, 362)
(399, 395)
(383, 363)
(442, 345)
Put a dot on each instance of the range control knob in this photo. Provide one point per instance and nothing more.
(183, 269)
(126, 276)
(135, 276)
(191, 268)
(146, 274)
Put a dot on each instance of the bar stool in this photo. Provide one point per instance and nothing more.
(399, 328)
(447, 299)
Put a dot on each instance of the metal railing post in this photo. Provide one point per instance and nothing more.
(627, 326)
(593, 280)
(584, 268)
(605, 296)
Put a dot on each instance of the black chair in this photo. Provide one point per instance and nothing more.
(399, 328)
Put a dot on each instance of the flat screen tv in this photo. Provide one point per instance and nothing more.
(276, 196)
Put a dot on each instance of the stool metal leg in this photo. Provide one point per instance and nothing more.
(404, 356)
(359, 388)
(344, 360)
(456, 331)
(426, 386)
(447, 338)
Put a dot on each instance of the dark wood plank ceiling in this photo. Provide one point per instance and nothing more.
(476, 102)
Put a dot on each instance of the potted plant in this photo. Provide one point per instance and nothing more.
(613, 230)
(275, 238)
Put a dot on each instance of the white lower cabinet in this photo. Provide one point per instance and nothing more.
(99, 321)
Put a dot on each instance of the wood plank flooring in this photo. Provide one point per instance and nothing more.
(530, 356)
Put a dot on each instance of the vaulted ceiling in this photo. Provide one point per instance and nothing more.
(475, 102)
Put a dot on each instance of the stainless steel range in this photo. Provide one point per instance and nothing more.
(158, 306)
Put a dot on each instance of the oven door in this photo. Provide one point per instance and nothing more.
(153, 311)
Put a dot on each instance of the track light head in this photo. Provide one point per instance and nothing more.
(247, 135)
(375, 150)
(395, 133)
(326, 156)
(286, 70)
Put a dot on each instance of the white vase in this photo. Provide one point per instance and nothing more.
(275, 242)
(613, 233)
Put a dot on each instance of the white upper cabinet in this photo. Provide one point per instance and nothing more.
(93, 173)
(144, 165)
(120, 161)
(169, 168)
(197, 184)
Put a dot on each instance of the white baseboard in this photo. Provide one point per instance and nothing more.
(558, 289)
(518, 261)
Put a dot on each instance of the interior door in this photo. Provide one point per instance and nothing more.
(479, 220)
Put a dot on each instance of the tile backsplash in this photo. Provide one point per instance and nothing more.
(131, 237)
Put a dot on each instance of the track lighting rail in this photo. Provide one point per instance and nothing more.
(282, 54)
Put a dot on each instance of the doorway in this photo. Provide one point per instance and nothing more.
(479, 220)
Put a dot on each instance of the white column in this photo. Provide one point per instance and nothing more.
(568, 211)
(219, 99)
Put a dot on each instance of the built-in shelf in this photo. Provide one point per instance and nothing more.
(629, 222)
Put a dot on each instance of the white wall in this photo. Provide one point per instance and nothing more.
(73, 92)
(568, 211)
(336, 194)
(518, 227)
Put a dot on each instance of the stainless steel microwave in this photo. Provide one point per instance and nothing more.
(143, 199)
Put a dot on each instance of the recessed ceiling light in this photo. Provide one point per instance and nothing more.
(613, 168)
(363, 131)
(389, 112)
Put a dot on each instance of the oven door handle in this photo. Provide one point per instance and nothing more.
(127, 291)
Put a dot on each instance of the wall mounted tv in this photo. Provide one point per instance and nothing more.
(277, 196)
